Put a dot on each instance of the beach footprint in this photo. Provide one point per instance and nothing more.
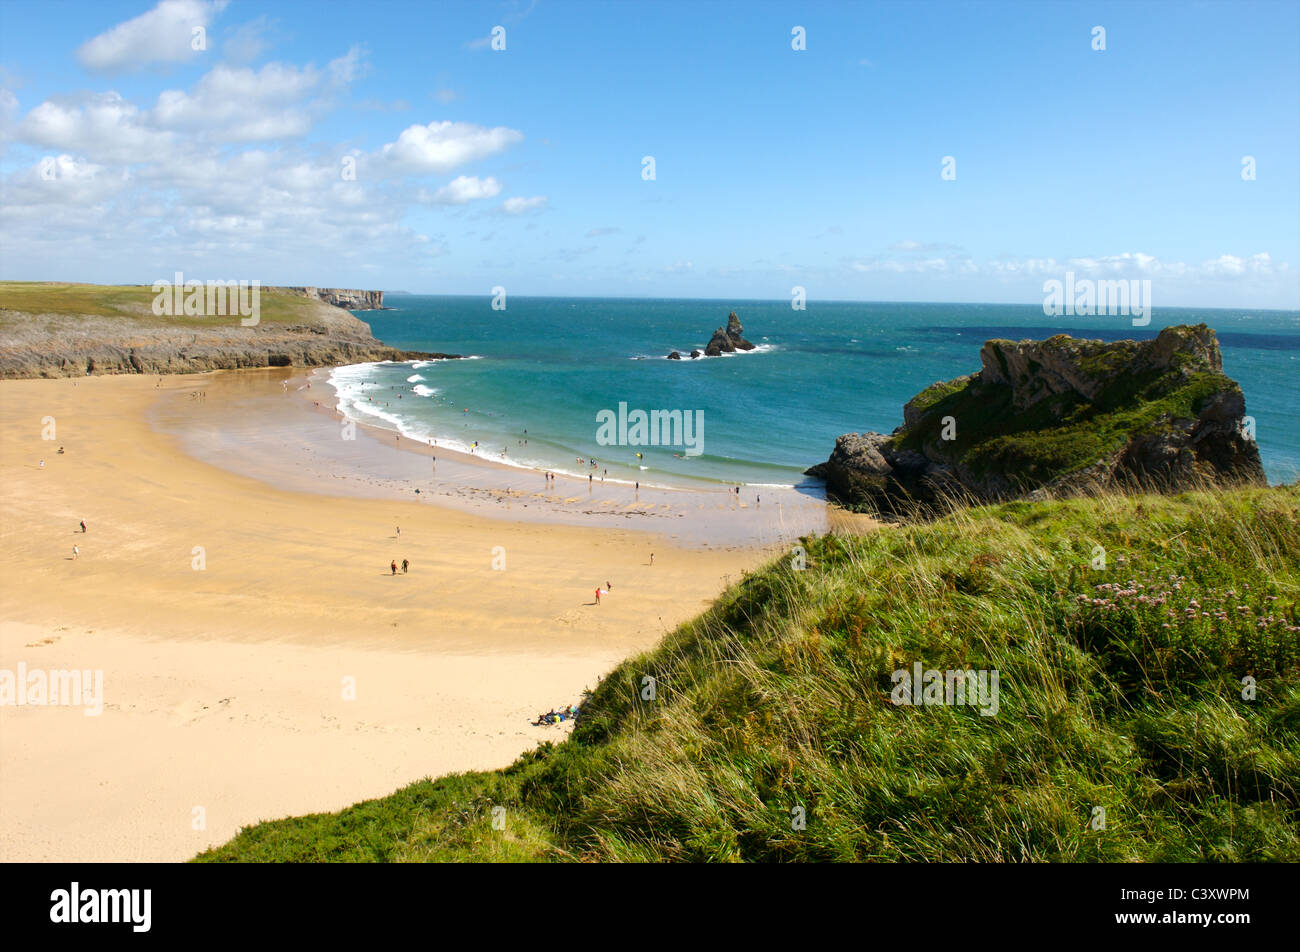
(191, 712)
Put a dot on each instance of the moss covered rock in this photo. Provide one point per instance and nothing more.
(1061, 416)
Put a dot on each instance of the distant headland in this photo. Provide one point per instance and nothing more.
(50, 329)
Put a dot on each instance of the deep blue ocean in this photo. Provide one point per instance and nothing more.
(550, 365)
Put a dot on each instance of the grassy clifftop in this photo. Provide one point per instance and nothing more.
(1120, 730)
(21, 301)
(50, 329)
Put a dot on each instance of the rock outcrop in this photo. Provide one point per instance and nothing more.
(728, 340)
(1057, 417)
(346, 298)
(725, 340)
(291, 333)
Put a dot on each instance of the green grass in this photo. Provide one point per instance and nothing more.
(132, 302)
(779, 697)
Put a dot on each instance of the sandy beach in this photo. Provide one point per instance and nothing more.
(259, 658)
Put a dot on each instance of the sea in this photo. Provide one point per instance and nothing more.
(551, 379)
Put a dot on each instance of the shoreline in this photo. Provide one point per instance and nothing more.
(264, 424)
(222, 683)
(387, 422)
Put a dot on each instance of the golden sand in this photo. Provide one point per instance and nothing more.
(232, 619)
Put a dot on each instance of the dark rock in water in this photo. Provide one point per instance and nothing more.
(674, 356)
(695, 354)
(728, 340)
(734, 331)
(1057, 417)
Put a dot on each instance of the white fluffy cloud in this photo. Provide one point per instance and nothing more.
(245, 105)
(464, 189)
(521, 206)
(228, 104)
(442, 146)
(102, 126)
(163, 35)
(220, 173)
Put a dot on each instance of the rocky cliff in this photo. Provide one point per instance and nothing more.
(72, 330)
(346, 298)
(1057, 417)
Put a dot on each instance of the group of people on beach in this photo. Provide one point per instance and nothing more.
(569, 712)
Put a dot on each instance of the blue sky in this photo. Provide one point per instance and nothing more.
(127, 155)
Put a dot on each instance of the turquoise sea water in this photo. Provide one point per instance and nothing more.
(550, 365)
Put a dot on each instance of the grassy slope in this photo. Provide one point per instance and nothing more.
(132, 302)
(779, 696)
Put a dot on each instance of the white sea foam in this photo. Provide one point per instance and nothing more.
(687, 358)
(352, 392)
(414, 378)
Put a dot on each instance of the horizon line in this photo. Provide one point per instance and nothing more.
(617, 297)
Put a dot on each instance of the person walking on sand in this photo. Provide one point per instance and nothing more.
(399, 530)
(76, 553)
(42, 464)
(597, 590)
(652, 558)
(394, 566)
(405, 565)
(83, 525)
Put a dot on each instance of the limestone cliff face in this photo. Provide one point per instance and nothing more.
(1057, 417)
(346, 298)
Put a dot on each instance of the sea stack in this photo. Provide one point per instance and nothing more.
(728, 340)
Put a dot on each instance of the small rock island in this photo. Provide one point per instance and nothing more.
(725, 340)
